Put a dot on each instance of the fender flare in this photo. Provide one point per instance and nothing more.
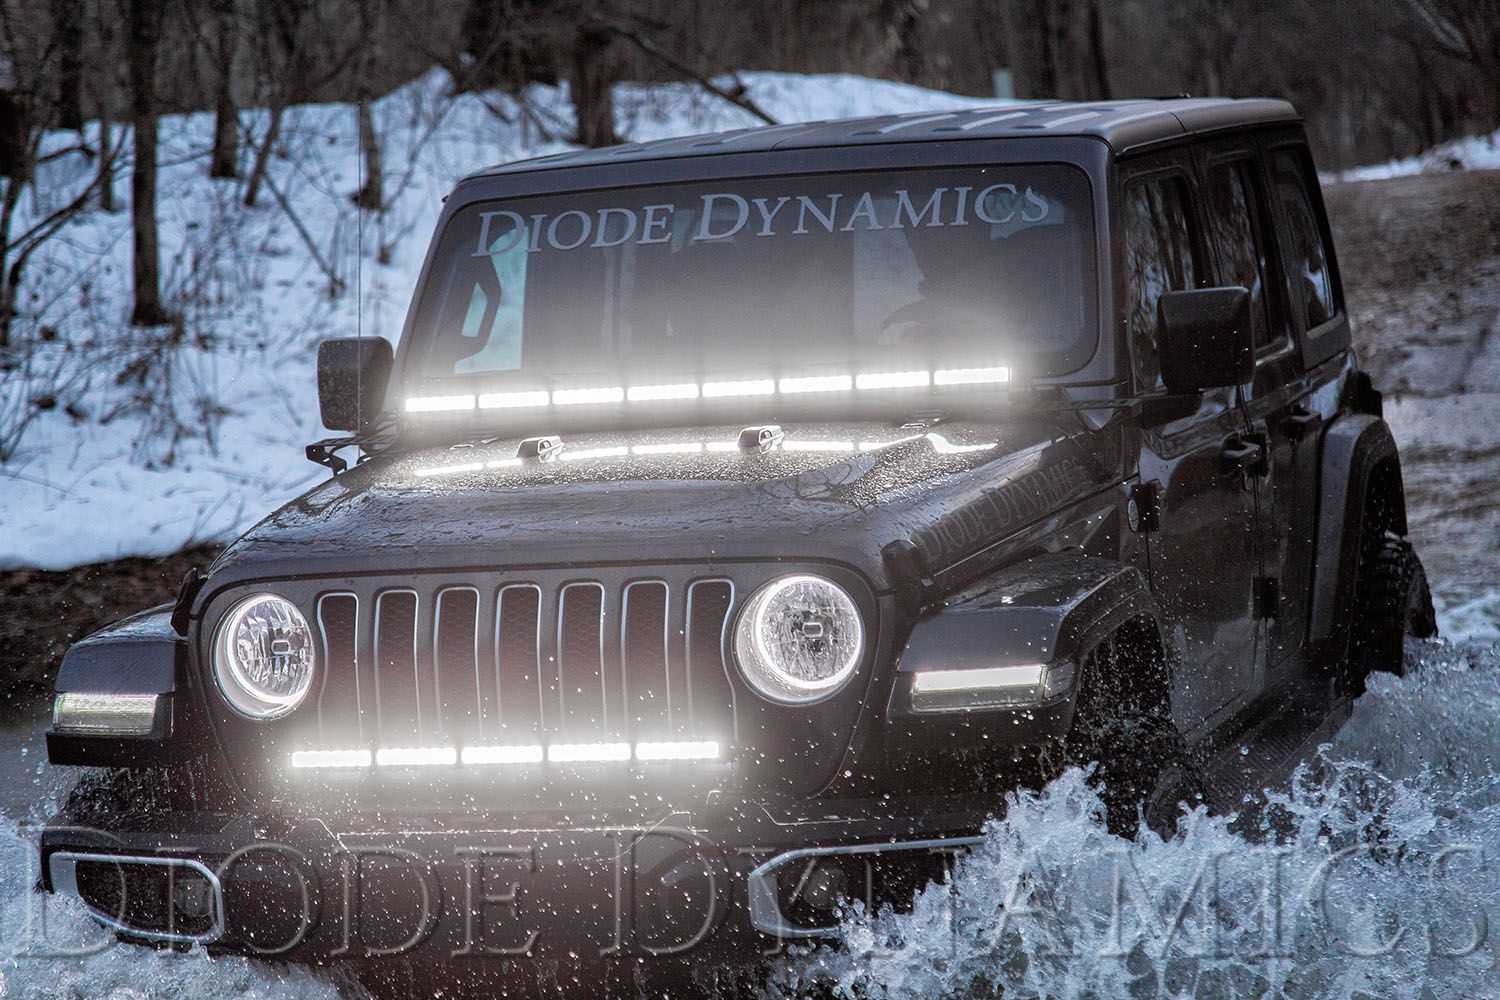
(142, 654)
(1047, 609)
(1353, 447)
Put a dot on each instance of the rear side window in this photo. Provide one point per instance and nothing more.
(1235, 214)
(1308, 267)
(1159, 257)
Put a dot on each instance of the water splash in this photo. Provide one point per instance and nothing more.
(1374, 874)
(51, 948)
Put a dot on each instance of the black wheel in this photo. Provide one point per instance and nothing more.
(1391, 601)
(1144, 769)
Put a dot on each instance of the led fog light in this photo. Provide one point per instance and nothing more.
(263, 657)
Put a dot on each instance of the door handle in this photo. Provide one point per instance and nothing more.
(1246, 455)
(1301, 420)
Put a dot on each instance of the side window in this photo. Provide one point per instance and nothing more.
(1308, 267)
(1159, 257)
(1235, 222)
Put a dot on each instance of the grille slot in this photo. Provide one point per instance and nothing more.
(518, 686)
(455, 645)
(572, 661)
(338, 615)
(582, 701)
(398, 710)
(644, 647)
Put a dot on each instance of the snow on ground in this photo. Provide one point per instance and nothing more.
(147, 440)
(1474, 152)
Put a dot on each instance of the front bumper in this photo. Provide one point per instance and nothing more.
(733, 888)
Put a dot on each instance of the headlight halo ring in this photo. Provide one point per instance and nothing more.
(840, 627)
(245, 693)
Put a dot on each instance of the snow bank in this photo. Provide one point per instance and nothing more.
(147, 440)
(1475, 152)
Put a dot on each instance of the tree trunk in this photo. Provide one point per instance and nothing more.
(7, 283)
(371, 193)
(106, 162)
(592, 85)
(67, 20)
(224, 161)
(142, 34)
(1100, 62)
(263, 153)
(1044, 80)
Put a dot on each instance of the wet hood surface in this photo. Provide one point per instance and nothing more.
(827, 492)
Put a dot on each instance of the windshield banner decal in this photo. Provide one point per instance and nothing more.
(724, 215)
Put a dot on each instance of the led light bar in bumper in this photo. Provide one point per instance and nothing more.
(79, 713)
(990, 687)
(482, 756)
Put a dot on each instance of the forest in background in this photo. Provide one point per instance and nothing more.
(1375, 78)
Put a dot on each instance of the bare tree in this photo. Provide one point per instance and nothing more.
(224, 161)
(1469, 31)
(595, 68)
(370, 194)
(143, 31)
(1098, 60)
(67, 34)
(106, 83)
(295, 60)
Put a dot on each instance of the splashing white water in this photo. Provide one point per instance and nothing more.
(1375, 874)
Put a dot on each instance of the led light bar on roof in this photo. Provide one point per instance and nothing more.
(648, 393)
(715, 389)
(816, 383)
(739, 387)
(893, 380)
(438, 404)
(970, 376)
(510, 400)
(572, 397)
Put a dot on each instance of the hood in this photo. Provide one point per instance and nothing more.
(828, 492)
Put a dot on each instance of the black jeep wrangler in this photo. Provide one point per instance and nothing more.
(739, 517)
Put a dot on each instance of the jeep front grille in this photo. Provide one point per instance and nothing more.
(525, 662)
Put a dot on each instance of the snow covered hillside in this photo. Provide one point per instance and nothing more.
(1474, 152)
(137, 442)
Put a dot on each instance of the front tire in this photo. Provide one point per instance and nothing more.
(1144, 770)
(1392, 601)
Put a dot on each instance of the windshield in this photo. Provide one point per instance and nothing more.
(859, 272)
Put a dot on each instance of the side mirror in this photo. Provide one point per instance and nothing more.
(352, 376)
(1203, 338)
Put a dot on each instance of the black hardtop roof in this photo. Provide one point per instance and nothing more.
(1124, 125)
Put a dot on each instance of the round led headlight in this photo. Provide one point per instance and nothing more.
(799, 639)
(263, 657)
